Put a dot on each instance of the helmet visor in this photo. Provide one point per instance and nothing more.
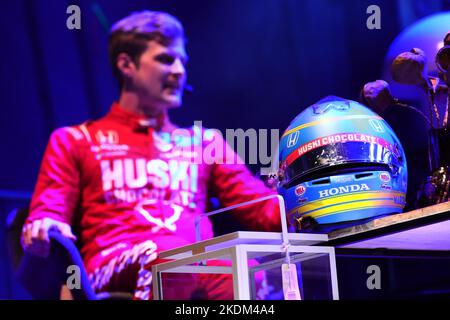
(338, 156)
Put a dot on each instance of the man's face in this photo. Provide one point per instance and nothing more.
(161, 75)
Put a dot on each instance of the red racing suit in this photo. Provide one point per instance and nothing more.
(133, 190)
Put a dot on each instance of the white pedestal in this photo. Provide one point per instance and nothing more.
(239, 247)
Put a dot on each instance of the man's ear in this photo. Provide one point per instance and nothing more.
(125, 64)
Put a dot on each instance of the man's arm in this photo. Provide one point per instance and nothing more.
(35, 235)
(55, 196)
(233, 183)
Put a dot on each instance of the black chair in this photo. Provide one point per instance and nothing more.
(43, 278)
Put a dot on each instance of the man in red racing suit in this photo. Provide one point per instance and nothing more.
(133, 183)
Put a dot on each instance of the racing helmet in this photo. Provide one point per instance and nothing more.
(339, 161)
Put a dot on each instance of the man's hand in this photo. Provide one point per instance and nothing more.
(35, 235)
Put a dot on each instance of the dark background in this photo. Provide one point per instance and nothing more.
(253, 64)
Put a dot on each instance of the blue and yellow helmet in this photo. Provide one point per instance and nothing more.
(340, 161)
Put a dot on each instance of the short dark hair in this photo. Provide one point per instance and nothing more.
(131, 34)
